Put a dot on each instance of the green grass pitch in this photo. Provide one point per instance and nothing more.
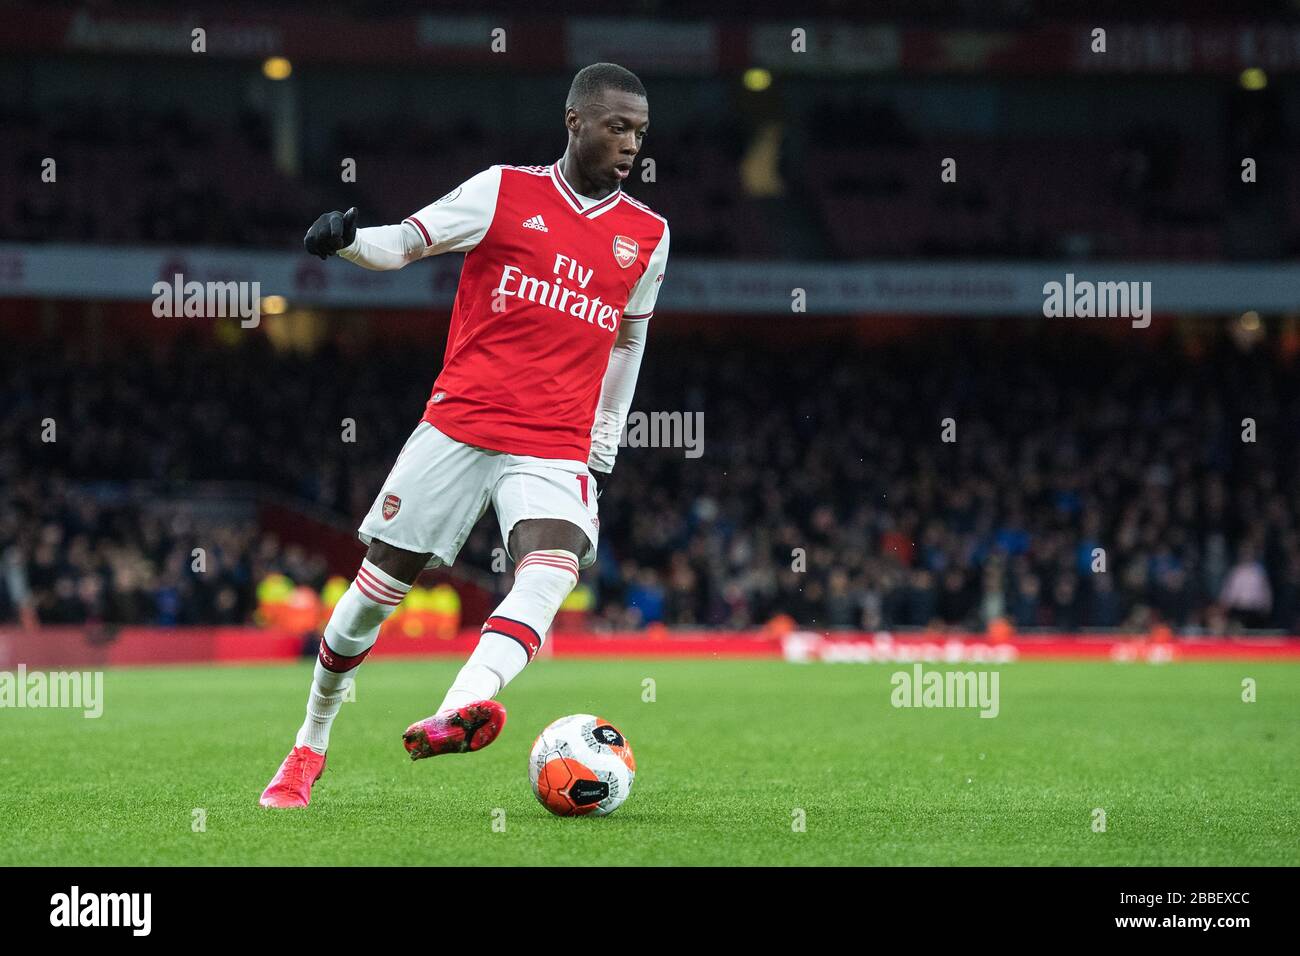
(728, 754)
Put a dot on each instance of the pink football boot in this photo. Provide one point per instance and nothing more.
(471, 727)
(291, 785)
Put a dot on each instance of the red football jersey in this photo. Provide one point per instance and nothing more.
(547, 279)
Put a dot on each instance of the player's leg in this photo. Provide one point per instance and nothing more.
(548, 518)
(546, 551)
(386, 574)
(435, 493)
(514, 632)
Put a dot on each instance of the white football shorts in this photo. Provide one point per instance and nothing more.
(439, 488)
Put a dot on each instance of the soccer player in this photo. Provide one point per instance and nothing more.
(561, 273)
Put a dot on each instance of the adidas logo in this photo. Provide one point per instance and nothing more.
(536, 223)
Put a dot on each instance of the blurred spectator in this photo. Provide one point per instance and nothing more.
(1246, 594)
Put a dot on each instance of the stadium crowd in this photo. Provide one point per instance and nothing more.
(75, 554)
(1089, 483)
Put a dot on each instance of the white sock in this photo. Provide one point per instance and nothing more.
(496, 661)
(517, 628)
(324, 700)
(351, 632)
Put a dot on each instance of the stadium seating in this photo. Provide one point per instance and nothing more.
(1065, 444)
(137, 176)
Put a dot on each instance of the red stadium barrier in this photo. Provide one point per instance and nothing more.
(80, 647)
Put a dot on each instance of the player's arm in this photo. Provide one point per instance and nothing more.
(624, 366)
(455, 223)
(376, 247)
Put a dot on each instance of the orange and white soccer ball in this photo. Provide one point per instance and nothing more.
(581, 764)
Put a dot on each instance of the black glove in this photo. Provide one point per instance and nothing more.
(331, 232)
(601, 479)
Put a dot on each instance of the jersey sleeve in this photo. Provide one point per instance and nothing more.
(381, 248)
(616, 395)
(459, 220)
(641, 303)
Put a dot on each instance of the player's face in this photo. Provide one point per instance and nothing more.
(609, 135)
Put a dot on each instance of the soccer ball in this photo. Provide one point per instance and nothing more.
(581, 764)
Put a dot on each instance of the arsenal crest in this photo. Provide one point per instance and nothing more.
(391, 504)
(625, 250)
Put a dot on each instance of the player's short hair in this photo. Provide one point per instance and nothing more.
(592, 80)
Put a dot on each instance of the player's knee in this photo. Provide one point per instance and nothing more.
(399, 563)
(363, 608)
(546, 576)
(546, 534)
